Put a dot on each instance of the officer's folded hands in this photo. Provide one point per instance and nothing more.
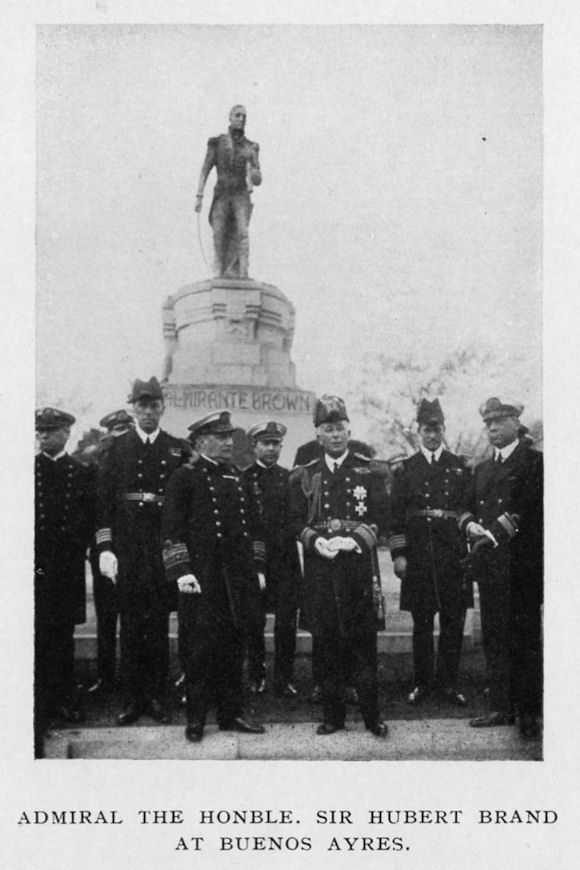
(347, 545)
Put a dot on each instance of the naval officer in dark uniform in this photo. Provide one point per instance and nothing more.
(271, 484)
(503, 518)
(64, 527)
(214, 552)
(104, 589)
(427, 493)
(131, 489)
(338, 505)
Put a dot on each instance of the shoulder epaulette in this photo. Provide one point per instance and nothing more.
(398, 460)
(362, 456)
(380, 467)
(296, 472)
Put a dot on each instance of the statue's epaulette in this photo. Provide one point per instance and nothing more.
(213, 140)
(253, 145)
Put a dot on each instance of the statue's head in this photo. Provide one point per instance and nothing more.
(238, 118)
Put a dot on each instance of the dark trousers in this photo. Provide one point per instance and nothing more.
(106, 608)
(283, 604)
(443, 669)
(53, 673)
(212, 655)
(230, 219)
(351, 660)
(512, 641)
(145, 653)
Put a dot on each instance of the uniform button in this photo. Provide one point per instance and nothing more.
(428, 519)
(218, 524)
(163, 462)
(216, 512)
(446, 492)
(139, 462)
(161, 476)
(141, 504)
(139, 476)
(500, 501)
(327, 506)
(481, 501)
(347, 479)
(219, 535)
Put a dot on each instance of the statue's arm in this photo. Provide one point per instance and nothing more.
(255, 171)
(208, 164)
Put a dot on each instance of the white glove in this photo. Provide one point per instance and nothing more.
(322, 548)
(188, 584)
(475, 530)
(108, 565)
(261, 581)
(345, 544)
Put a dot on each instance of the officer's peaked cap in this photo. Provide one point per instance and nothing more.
(329, 409)
(116, 418)
(494, 408)
(270, 431)
(52, 418)
(429, 412)
(218, 423)
(150, 389)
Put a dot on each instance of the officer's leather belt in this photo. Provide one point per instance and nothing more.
(435, 513)
(150, 497)
(336, 525)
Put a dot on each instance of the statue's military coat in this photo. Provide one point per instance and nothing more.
(433, 545)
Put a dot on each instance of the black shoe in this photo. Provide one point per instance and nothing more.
(69, 714)
(158, 712)
(529, 727)
(351, 696)
(492, 720)
(258, 687)
(101, 686)
(418, 695)
(452, 696)
(194, 733)
(286, 690)
(379, 729)
(328, 728)
(239, 724)
(316, 695)
(131, 714)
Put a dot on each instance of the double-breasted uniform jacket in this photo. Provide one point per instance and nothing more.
(64, 527)
(212, 529)
(507, 499)
(426, 501)
(132, 482)
(272, 488)
(351, 502)
(231, 154)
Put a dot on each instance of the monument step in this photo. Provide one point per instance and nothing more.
(408, 740)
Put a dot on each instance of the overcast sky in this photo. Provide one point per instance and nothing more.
(400, 208)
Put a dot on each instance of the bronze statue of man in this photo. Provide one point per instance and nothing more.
(237, 164)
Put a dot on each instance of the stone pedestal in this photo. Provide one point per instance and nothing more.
(228, 345)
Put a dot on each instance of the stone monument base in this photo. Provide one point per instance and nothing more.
(185, 403)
